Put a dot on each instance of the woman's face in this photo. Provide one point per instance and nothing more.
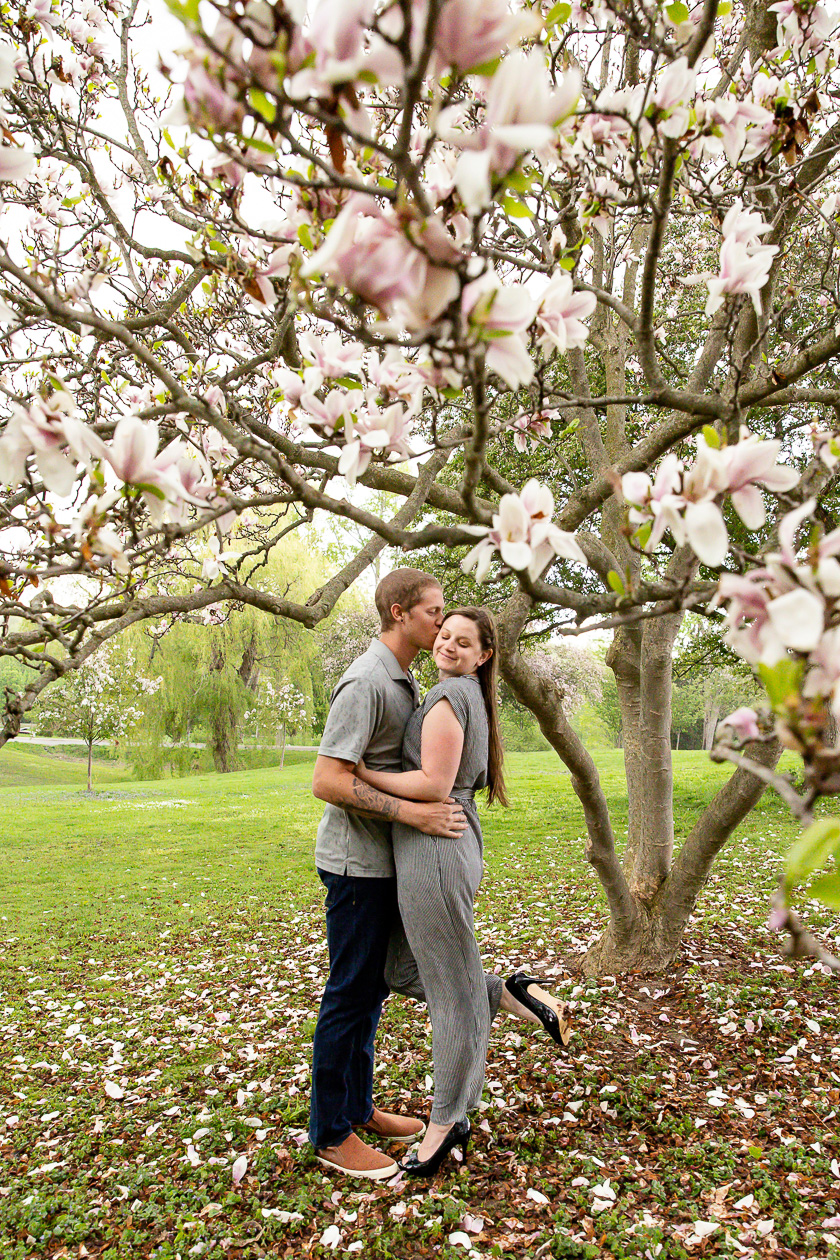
(457, 650)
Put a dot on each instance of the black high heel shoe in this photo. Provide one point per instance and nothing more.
(557, 1028)
(458, 1135)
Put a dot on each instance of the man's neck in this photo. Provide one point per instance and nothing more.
(404, 651)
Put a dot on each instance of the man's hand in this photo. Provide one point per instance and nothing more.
(438, 818)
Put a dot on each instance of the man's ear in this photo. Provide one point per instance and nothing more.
(397, 613)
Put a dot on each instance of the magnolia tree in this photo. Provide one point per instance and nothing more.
(101, 700)
(396, 246)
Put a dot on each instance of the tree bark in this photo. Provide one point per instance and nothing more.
(90, 766)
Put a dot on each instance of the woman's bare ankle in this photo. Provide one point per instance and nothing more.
(434, 1135)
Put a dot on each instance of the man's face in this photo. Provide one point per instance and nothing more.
(422, 622)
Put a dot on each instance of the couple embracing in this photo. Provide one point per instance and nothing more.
(399, 851)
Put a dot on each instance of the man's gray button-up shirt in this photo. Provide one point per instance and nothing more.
(369, 710)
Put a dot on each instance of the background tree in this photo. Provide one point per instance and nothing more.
(102, 699)
(540, 250)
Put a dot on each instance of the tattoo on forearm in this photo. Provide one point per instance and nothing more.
(371, 803)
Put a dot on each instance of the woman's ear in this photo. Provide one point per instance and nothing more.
(485, 656)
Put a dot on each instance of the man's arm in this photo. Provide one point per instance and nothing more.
(336, 782)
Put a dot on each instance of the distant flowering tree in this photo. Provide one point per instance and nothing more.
(102, 699)
(288, 707)
(405, 244)
(345, 638)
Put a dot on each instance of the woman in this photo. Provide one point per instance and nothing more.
(453, 747)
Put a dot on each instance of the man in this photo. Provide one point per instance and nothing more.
(369, 710)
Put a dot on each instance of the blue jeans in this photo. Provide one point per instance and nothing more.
(361, 914)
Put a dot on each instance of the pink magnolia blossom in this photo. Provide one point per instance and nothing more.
(522, 112)
(50, 430)
(368, 252)
(133, 449)
(744, 722)
(804, 28)
(326, 414)
(15, 163)
(499, 315)
(332, 356)
(798, 618)
(742, 270)
(524, 535)
(529, 430)
(749, 463)
(375, 430)
(133, 455)
(561, 312)
(746, 129)
(294, 386)
(470, 33)
(207, 102)
(675, 86)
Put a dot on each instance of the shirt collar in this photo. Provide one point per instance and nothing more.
(393, 666)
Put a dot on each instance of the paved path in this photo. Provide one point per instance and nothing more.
(108, 743)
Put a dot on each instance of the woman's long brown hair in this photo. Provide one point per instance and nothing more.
(487, 675)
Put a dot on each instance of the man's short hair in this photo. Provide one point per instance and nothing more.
(404, 587)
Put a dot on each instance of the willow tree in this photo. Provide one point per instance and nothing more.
(371, 241)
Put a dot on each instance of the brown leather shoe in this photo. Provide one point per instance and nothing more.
(384, 1124)
(355, 1159)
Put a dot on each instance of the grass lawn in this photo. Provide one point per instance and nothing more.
(161, 960)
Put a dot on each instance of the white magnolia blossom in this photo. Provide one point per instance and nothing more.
(687, 501)
(524, 535)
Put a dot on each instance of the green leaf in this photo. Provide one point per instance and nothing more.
(756, 1152)
(616, 583)
(146, 488)
(486, 68)
(781, 681)
(186, 11)
(813, 849)
(519, 181)
(261, 103)
(516, 209)
(305, 237)
(568, 264)
(827, 890)
(724, 8)
(262, 146)
(711, 437)
(643, 533)
(559, 14)
(677, 12)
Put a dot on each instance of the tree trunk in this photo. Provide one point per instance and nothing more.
(283, 748)
(223, 741)
(90, 765)
(651, 894)
(224, 721)
(710, 721)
